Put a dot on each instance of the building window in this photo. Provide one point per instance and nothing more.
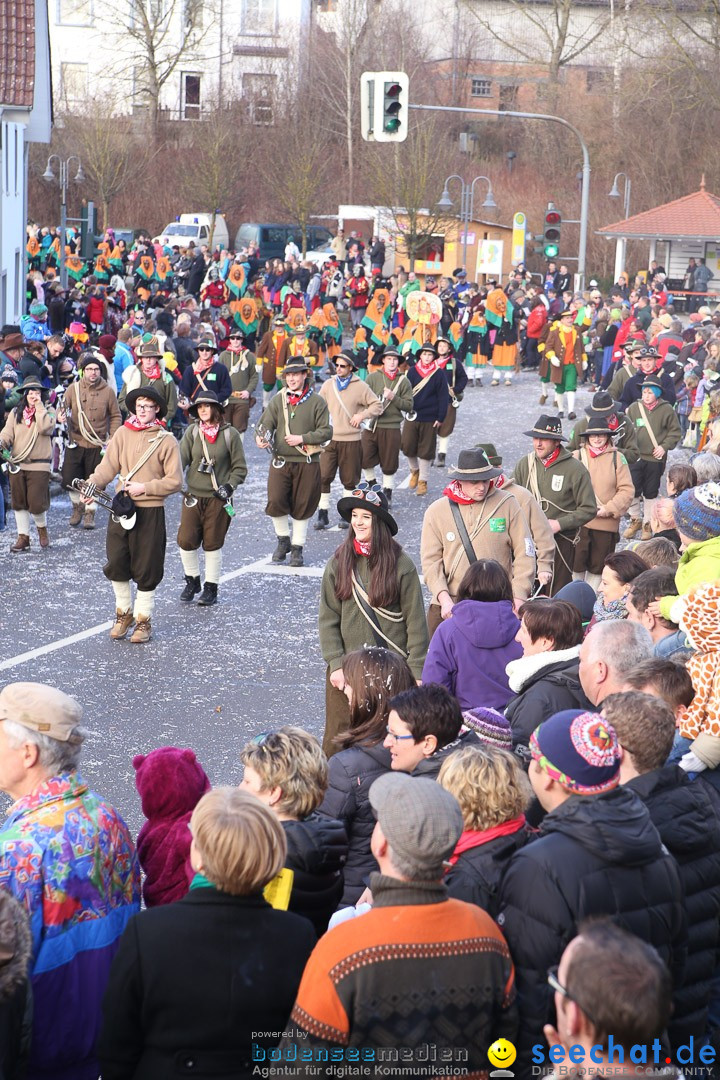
(481, 88)
(190, 103)
(258, 92)
(597, 81)
(259, 16)
(74, 82)
(75, 12)
(508, 98)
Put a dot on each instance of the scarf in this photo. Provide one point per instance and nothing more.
(552, 458)
(134, 424)
(616, 609)
(456, 494)
(29, 416)
(342, 384)
(297, 399)
(500, 481)
(613, 422)
(392, 377)
(472, 838)
(154, 372)
(203, 365)
(657, 392)
(424, 370)
(210, 431)
(361, 548)
(597, 453)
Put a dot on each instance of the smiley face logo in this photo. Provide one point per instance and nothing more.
(502, 1053)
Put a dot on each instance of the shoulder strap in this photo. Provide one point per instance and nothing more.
(370, 613)
(423, 383)
(646, 418)
(532, 476)
(462, 531)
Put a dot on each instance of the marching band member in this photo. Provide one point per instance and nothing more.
(349, 401)
(431, 399)
(90, 409)
(212, 452)
(297, 422)
(28, 430)
(457, 381)
(268, 351)
(147, 459)
(240, 363)
(205, 374)
(381, 437)
(150, 372)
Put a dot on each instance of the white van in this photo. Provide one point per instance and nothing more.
(195, 227)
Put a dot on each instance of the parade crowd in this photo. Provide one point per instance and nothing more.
(506, 850)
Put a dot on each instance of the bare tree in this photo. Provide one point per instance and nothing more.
(214, 169)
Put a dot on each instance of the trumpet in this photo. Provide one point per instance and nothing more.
(8, 465)
(267, 436)
(121, 508)
(410, 416)
(189, 499)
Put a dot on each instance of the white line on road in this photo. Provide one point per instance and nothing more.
(43, 650)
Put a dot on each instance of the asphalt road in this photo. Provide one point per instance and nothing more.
(211, 678)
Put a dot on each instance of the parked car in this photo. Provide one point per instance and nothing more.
(271, 239)
(195, 227)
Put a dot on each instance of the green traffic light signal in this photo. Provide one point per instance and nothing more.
(391, 107)
(551, 251)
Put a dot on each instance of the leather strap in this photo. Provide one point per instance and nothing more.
(462, 531)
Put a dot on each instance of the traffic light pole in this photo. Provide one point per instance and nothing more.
(585, 191)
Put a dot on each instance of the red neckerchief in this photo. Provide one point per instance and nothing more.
(650, 407)
(473, 838)
(613, 422)
(422, 370)
(597, 453)
(552, 458)
(210, 431)
(361, 548)
(442, 361)
(500, 480)
(389, 376)
(456, 494)
(154, 372)
(295, 399)
(29, 416)
(134, 424)
(203, 365)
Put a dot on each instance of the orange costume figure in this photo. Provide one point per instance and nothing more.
(500, 342)
(566, 358)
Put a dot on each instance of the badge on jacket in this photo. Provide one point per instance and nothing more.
(211, 376)
(450, 536)
(498, 524)
(557, 482)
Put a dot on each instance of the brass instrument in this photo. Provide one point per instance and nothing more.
(118, 507)
(189, 499)
(267, 436)
(8, 465)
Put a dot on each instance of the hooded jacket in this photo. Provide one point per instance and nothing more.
(468, 653)
(684, 815)
(476, 875)
(316, 853)
(351, 773)
(545, 683)
(596, 855)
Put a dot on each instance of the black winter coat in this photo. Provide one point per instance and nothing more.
(350, 775)
(552, 689)
(317, 850)
(191, 981)
(430, 766)
(684, 815)
(475, 877)
(632, 390)
(595, 855)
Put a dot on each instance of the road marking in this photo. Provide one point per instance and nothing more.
(264, 566)
(43, 650)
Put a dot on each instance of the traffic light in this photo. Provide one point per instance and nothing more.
(88, 230)
(384, 104)
(551, 233)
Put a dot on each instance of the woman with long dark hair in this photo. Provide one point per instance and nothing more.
(370, 595)
(26, 443)
(372, 677)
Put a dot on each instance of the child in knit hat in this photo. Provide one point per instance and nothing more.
(697, 520)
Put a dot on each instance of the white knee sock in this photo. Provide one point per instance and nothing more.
(242, 438)
(508, 374)
(558, 401)
(579, 576)
(191, 562)
(413, 463)
(369, 475)
(593, 580)
(347, 493)
(75, 497)
(635, 510)
(299, 532)
(443, 441)
(266, 397)
(648, 507)
(144, 604)
(123, 596)
(388, 482)
(571, 400)
(22, 522)
(40, 520)
(324, 501)
(280, 525)
(213, 566)
(424, 468)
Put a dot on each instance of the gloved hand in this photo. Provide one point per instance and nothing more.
(225, 492)
(585, 364)
(555, 361)
(690, 762)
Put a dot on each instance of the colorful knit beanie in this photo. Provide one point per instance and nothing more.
(579, 750)
(490, 726)
(697, 512)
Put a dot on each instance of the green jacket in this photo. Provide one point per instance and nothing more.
(664, 423)
(227, 453)
(565, 489)
(699, 565)
(623, 439)
(310, 419)
(343, 628)
(245, 375)
(402, 402)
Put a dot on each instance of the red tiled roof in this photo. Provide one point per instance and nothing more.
(17, 52)
(692, 216)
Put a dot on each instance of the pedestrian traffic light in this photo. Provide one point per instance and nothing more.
(551, 232)
(88, 230)
(384, 104)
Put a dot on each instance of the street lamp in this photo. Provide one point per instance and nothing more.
(467, 198)
(621, 243)
(50, 177)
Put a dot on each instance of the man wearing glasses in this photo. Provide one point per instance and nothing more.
(349, 401)
(147, 459)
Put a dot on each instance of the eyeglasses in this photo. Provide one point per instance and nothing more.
(397, 738)
(201, 348)
(144, 408)
(557, 986)
(342, 367)
(258, 740)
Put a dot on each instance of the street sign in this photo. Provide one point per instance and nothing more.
(517, 254)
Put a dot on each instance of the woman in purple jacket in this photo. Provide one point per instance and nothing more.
(469, 651)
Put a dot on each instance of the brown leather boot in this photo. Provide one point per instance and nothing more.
(633, 528)
(414, 477)
(421, 487)
(77, 514)
(43, 537)
(21, 544)
(142, 631)
(123, 622)
(89, 519)
(647, 532)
